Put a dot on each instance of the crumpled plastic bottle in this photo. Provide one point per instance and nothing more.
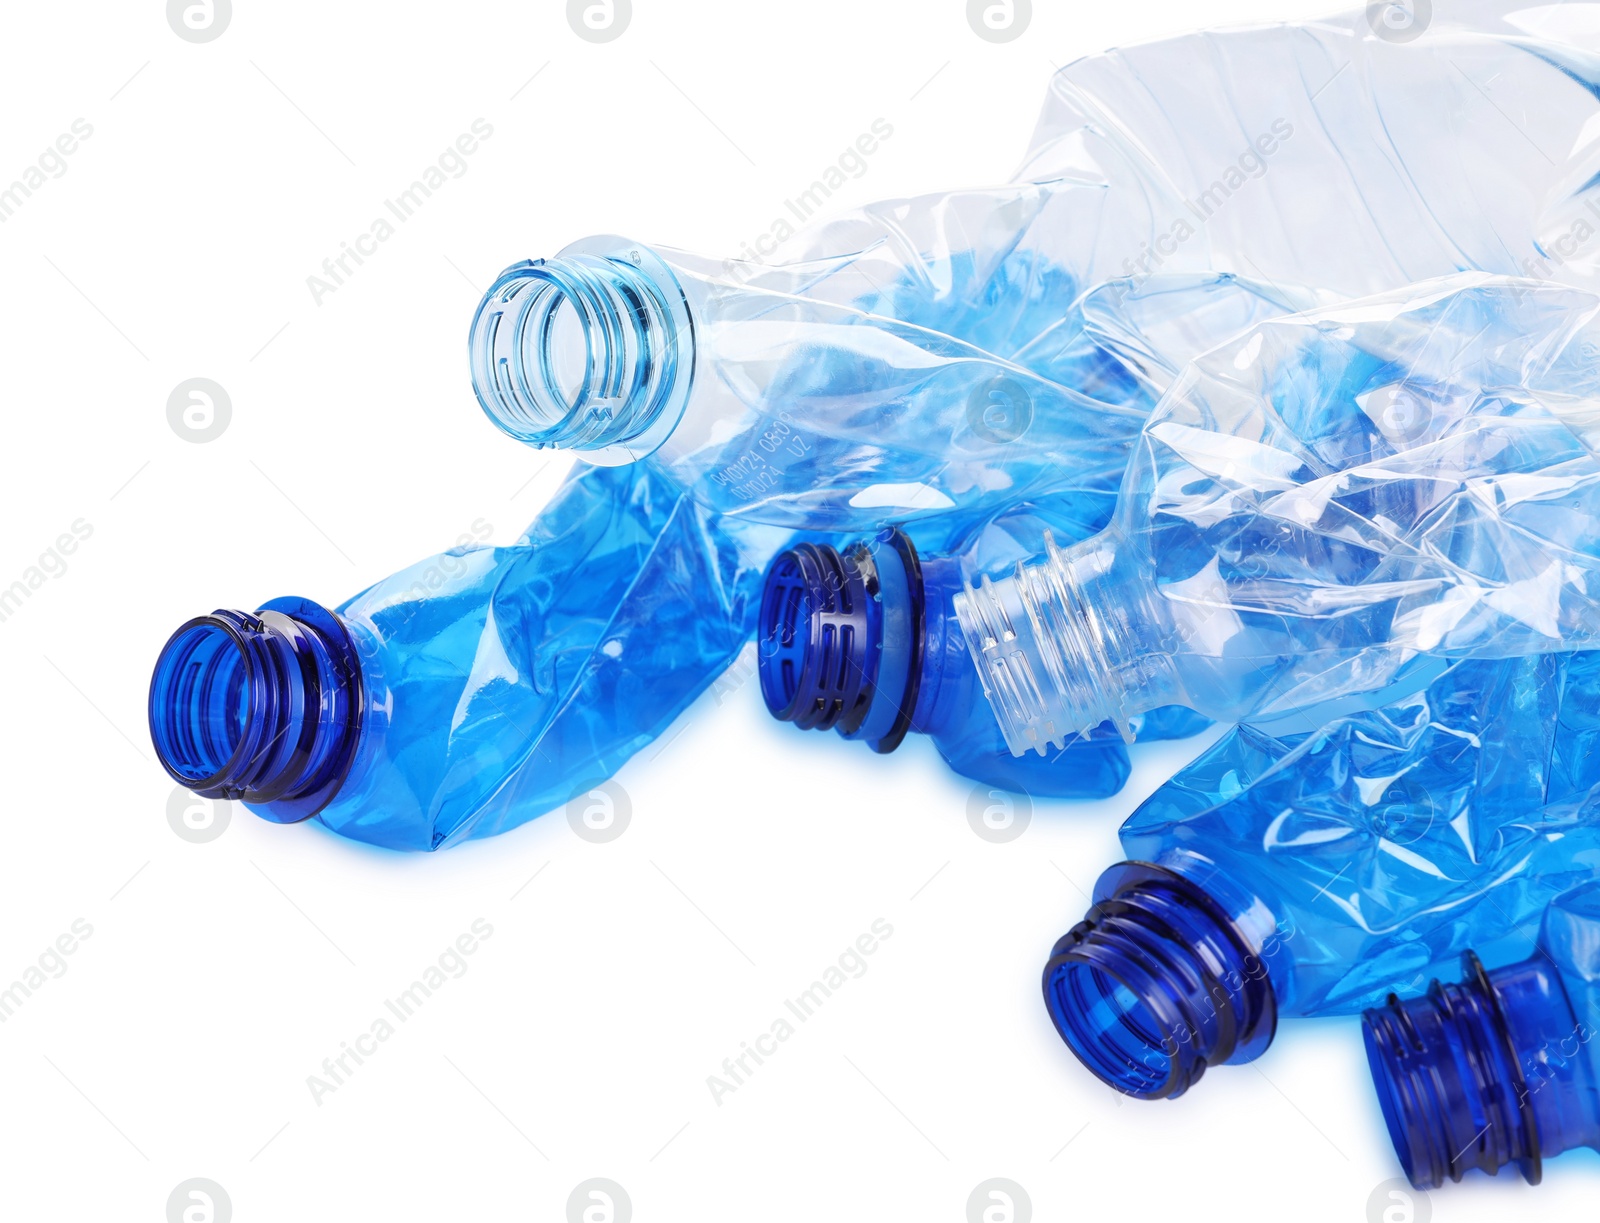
(476, 689)
(849, 378)
(1323, 507)
(1502, 1067)
(1348, 152)
(1310, 876)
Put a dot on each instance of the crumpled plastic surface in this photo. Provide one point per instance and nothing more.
(1296, 155)
(1388, 842)
(1324, 499)
(508, 680)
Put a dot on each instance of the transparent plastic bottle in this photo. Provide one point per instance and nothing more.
(851, 376)
(1316, 508)
(770, 405)
(1280, 878)
(1503, 1066)
(1342, 152)
(474, 690)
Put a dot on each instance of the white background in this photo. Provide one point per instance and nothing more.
(219, 975)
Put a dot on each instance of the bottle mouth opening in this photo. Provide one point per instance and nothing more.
(265, 706)
(1157, 983)
(819, 638)
(840, 638)
(200, 702)
(591, 350)
(1112, 1030)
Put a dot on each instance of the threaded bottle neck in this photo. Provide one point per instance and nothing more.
(1157, 983)
(263, 707)
(1466, 1076)
(592, 350)
(841, 638)
(1055, 647)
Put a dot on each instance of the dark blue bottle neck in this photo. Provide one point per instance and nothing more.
(1161, 979)
(263, 707)
(845, 640)
(1490, 1071)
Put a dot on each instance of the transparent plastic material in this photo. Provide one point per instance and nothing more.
(477, 689)
(1315, 507)
(771, 405)
(854, 374)
(1311, 875)
(1502, 1067)
(1333, 153)
(863, 640)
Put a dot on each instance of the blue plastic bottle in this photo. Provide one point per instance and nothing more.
(475, 690)
(1502, 1067)
(1277, 878)
(1315, 508)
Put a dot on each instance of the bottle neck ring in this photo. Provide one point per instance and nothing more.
(1450, 1080)
(264, 707)
(1055, 648)
(841, 638)
(592, 350)
(1156, 983)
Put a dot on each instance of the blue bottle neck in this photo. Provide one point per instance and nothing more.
(1487, 1072)
(263, 707)
(862, 641)
(1161, 979)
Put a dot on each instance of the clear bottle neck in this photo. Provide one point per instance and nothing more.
(592, 350)
(1066, 643)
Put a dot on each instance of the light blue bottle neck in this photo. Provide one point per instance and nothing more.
(592, 350)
